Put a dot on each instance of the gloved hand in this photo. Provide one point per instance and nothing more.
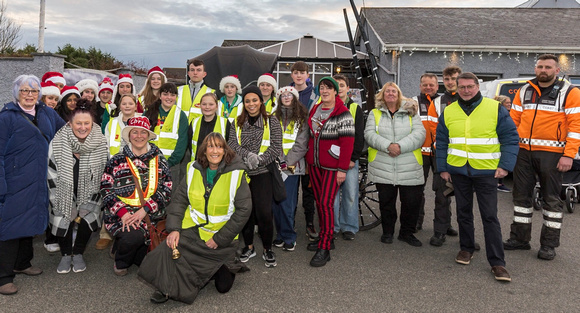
(252, 161)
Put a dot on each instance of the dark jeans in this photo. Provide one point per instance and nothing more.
(442, 211)
(130, 248)
(15, 254)
(543, 164)
(307, 199)
(485, 188)
(261, 189)
(410, 204)
(83, 237)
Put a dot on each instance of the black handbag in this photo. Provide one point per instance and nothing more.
(278, 187)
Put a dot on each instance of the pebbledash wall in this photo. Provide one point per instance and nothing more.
(37, 64)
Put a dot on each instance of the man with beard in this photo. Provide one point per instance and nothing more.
(546, 112)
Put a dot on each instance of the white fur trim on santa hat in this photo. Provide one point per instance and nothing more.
(87, 84)
(50, 89)
(231, 80)
(68, 90)
(54, 77)
(289, 89)
(158, 70)
(268, 78)
(125, 79)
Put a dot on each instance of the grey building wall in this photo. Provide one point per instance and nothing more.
(38, 64)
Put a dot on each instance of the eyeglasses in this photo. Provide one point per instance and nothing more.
(468, 87)
(287, 96)
(25, 92)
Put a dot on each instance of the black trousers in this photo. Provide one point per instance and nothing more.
(261, 189)
(486, 190)
(543, 164)
(81, 241)
(223, 279)
(442, 211)
(307, 199)
(129, 248)
(410, 204)
(15, 254)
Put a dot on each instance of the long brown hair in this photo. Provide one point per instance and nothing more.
(148, 93)
(216, 139)
(299, 113)
(245, 115)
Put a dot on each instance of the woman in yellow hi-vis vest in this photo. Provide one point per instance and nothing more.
(268, 87)
(140, 163)
(209, 122)
(205, 216)
(170, 124)
(395, 134)
(127, 110)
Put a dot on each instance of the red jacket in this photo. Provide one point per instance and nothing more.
(337, 130)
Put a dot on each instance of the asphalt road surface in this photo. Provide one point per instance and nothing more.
(364, 275)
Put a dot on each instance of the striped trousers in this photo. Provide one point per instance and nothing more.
(325, 189)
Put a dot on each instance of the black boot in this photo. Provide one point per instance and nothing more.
(320, 258)
(313, 246)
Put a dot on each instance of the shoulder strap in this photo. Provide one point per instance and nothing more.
(140, 194)
(29, 121)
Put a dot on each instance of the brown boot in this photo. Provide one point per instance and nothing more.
(103, 243)
(8, 289)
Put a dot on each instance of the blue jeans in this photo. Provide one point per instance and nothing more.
(346, 206)
(284, 211)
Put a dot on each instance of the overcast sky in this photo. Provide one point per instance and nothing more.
(168, 32)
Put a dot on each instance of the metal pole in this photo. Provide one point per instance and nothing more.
(41, 27)
(375, 68)
(363, 93)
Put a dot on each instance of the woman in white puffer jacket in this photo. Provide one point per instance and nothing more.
(395, 162)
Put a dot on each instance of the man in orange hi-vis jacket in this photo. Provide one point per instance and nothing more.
(546, 112)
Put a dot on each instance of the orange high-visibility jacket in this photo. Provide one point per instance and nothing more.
(549, 121)
(425, 102)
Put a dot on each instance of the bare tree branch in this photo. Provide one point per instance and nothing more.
(9, 31)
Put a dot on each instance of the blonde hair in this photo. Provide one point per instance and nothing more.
(501, 99)
(380, 99)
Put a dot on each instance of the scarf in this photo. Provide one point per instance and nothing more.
(92, 161)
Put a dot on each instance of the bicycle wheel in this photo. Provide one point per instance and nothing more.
(368, 203)
(537, 199)
(570, 200)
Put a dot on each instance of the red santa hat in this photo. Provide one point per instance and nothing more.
(106, 84)
(54, 77)
(125, 78)
(138, 122)
(231, 79)
(50, 89)
(67, 90)
(268, 78)
(157, 70)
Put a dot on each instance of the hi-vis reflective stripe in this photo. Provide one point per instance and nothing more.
(474, 141)
(554, 225)
(522, 210)
(472, 155)
(553, 214)
(425, 149)
(574, 135)
(225, 218)
(542, 107)
(523, 220)
(180, 96)
(433, 119)
(542, 142)
(266, 143)
(517, 107)
(424, 118)
(573, 110)
(113, 134)
(134, 200)
(175, 129)
(166, 151)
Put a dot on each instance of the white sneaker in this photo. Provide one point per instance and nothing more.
(52, 247)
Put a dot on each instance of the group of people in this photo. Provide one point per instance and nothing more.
(210, 169)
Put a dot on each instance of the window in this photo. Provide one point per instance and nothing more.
(316, 71)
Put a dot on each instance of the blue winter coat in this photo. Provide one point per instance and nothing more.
(23, 169)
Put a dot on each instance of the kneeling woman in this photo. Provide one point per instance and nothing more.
(125, 204)
(78, 154)
(204, 218)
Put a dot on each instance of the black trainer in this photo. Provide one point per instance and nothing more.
(348, 235)
(546, 253)
(158, 297)
(387, 238)
(452, 232)
(437, 240)
(513, 244)
(410, 239)
(278, 243)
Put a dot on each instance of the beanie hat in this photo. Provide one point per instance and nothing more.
(268, 78)
(334, 83)
(106, 84)
(139, 122)
(289, 89)
(67, 90)
(231, 79)
(49, 89)
(157, 70)
(87, 84)
(54, 77)
(125, 78)
(252, 89)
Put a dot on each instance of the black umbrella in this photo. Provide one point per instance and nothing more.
(244, 61)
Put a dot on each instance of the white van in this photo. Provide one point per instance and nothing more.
(505, 87)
